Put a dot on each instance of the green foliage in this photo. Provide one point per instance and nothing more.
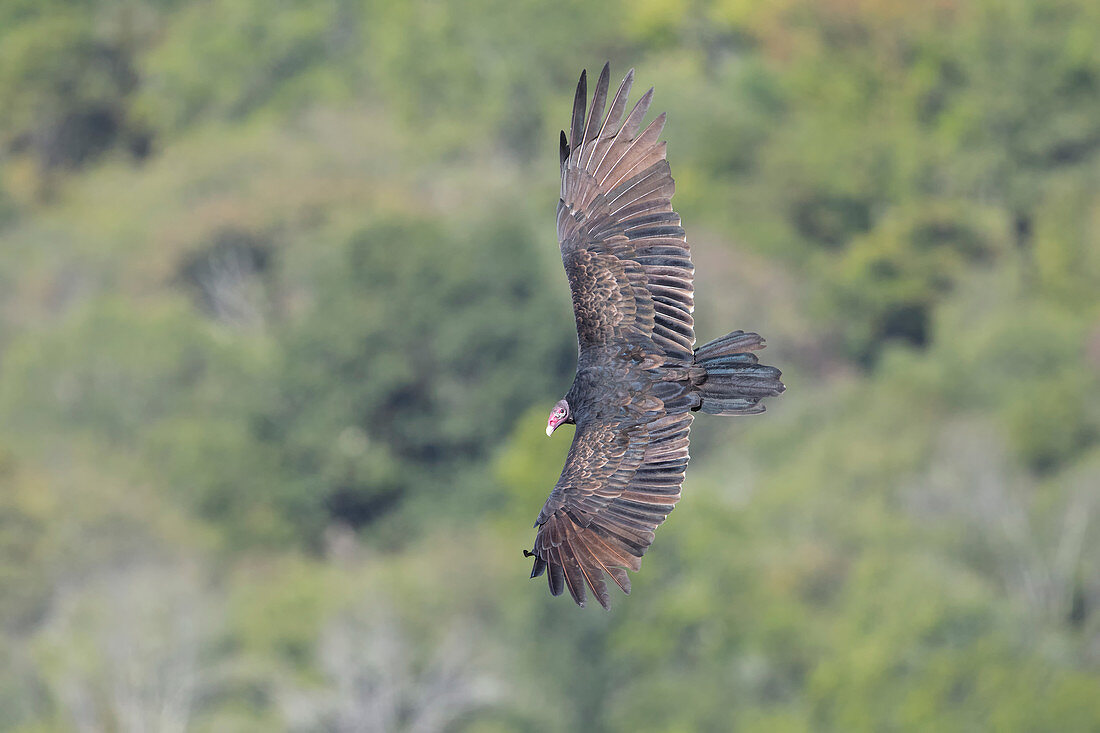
(114, 371)
(480, 62)
(277, 348)
(889, 279)
(25, 543)
(65, 87)
(303, 53)
(368, 415)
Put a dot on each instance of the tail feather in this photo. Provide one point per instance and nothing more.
(735, 381)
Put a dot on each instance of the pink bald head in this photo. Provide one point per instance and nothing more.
(558, 415)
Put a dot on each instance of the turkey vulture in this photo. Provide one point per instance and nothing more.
(639, 377)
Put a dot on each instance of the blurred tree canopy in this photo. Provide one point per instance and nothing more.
(281, 315)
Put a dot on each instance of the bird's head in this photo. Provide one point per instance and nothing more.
(560, 414)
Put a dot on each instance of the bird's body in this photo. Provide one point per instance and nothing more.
(639, 378)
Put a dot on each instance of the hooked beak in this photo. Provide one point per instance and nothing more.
(558, 415)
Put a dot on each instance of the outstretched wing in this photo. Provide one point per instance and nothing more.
(621, 479)
(622, 245)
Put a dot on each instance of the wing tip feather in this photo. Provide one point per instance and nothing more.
(580, 103)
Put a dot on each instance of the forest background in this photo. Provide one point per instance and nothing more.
(282, 315)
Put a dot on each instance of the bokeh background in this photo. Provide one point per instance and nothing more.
(282, 316)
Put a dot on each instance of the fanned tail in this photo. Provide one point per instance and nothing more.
(736, 382)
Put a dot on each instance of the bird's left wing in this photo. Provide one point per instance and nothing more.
(622, 245)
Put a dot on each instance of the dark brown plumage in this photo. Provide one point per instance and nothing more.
(639, 378)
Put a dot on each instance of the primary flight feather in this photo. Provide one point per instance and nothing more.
(639, 378)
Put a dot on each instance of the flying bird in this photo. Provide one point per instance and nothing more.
(640, 378)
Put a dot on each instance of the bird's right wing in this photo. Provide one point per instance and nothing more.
(620, 481)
